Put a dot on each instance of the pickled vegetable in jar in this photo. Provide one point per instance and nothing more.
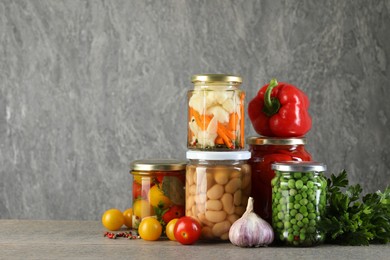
(265, 151)
(216, 113)
(298, 202)
(158, 190)
(217, 190)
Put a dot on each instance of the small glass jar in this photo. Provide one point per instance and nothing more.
(158, 190)
(217, 190)
(298, 202)
(265, 151)
(216, 113)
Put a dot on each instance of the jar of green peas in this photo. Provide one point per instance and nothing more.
(298, 202)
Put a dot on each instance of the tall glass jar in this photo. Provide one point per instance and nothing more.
(217, 190)
(298, 202)
(216, 113)
(158, 189)
(265, 151)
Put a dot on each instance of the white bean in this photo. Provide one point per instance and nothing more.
(221, 177)
(237, 198)
(227, 202)
(214, 205)
(221, 228)
(215, 216)
(233, 185)
(215, 192)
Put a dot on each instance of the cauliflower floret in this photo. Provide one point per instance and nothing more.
(219, 113)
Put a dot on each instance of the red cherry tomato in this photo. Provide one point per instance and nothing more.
(174, 211)
(187, 230)
(137, 190)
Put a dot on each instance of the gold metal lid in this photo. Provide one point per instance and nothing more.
(210, 78)
(158, 165)
(261, 140)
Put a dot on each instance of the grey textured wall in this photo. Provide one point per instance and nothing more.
(88, 86)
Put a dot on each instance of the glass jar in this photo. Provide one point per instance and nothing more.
(298, 202)
(216, 113)
(158, 190)
(265, 151)
(217, 190)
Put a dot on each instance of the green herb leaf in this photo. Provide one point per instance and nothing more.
(351, 219)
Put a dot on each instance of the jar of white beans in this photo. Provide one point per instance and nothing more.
(218, 185)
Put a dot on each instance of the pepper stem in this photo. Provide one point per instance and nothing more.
(271, 104)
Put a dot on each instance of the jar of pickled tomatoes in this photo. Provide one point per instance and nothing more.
(265, 151)
(158, 190)
(216, 113)
(217, 190)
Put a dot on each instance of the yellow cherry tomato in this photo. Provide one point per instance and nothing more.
(128, 217)
(170, 229)
(142, 208)
(113, 219)
(150, 229)
(158, 199)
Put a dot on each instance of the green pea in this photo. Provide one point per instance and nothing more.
(277, 196)
(302, 209)
(291, 184)
(304, 202)
(297, 206)
(290, 205)
(298, 216)
(299, 184)
(305, 221)
(284, 185)
(274, 181)
(305, 179)
(287, 217)
(287, 224)
(310, 206)
(279, 224)
(297, 175)
(304, 188)
(302, 236)
(279, 207)
(300, 224)
(310, 184)
(296, 227)
(293, 221)
(290, 237)
(291, 199)
(298, 197)
(312, 223)
(285, 193)
(312, 215)
(304, 195)
(305, 214)
(296, 233)
(280, 215)
(293, 192)
(293, 212)
(281, 237)
(303, 230)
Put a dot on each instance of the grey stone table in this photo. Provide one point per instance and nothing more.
(31, 239)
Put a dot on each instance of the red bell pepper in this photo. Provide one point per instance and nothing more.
(280, 110)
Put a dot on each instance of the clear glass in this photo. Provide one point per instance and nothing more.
(159, 194)
(217, 193)
(216, 117)
(262, 158)
(298, 202)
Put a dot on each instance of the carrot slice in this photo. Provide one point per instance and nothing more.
(233, 119)
(242, 126)
(228, 133)
(226, 139)
(201, 120)
(219, 140)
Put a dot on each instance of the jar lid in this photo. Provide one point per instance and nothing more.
(209, 78)
(297, 166)
(158, 165)
(218, 156)
(262, 140)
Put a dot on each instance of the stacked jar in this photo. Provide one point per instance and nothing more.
(218, 176)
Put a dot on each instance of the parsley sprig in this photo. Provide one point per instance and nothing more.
(354, 220)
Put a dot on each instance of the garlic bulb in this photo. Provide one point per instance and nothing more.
(250, 230)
